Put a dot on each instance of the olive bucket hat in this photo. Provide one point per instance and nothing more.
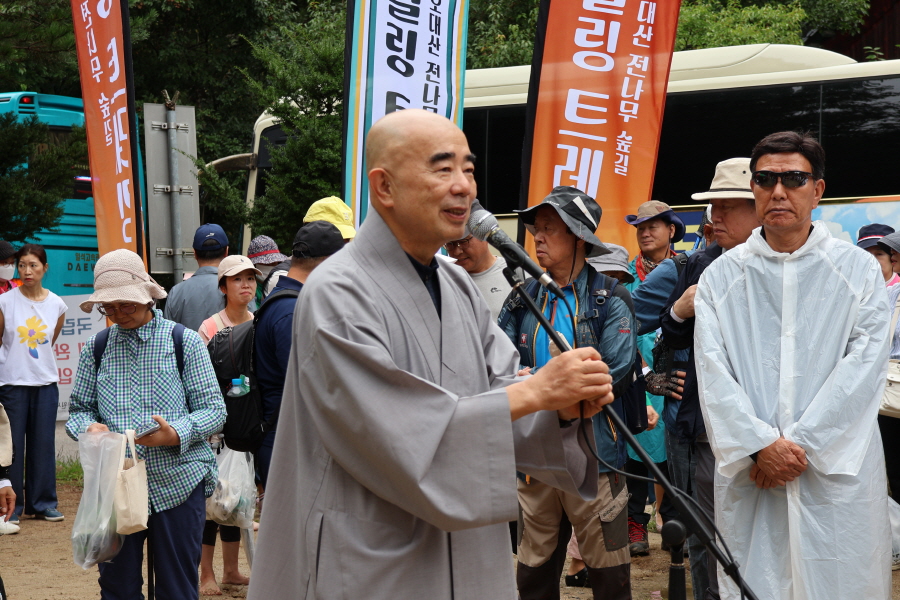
(579, 212)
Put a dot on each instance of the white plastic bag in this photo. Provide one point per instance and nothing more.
(234, 501)
(894, 512)
(94, 537)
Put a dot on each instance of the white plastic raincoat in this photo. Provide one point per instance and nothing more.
(797, 345)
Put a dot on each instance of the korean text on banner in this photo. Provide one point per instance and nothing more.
(99, 40)
(401, 54)
(603, 77)
(77, 330)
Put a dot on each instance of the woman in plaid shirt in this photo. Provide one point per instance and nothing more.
(138, 381)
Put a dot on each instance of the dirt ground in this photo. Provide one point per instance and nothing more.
(37, 564)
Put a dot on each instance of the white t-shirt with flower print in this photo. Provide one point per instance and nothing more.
(26, 356)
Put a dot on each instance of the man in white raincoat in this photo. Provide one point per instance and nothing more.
(402, 423)
(791, 350)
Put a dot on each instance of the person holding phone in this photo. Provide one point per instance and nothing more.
(138, 380)
(31, 318)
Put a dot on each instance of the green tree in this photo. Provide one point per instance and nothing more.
(303, 88)
(35, 175)
(501, 32)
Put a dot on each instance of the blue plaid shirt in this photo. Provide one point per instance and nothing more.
(138, 377)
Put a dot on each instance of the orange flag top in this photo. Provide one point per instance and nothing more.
(600, 104)
(101, 65)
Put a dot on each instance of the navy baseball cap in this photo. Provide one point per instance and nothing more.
(870, 235)
(210, 231)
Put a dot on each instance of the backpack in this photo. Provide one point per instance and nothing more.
(600, 288)
(231, 351)
(177, 339)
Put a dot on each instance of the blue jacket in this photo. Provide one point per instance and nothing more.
(617, 346)
(689, 420)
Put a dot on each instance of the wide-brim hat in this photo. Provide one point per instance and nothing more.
(234, 264)
(654, 209)
(120, 276)
(579, 212)
(264, 251)
(890, 242)
(616, 260)
(870, 235)
(732, 180)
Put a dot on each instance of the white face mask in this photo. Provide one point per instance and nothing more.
(7, 271)
(265, 269)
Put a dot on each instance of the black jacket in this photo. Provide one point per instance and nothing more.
(689, 421)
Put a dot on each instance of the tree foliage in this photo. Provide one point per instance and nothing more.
(35, 175)
(303, 88)
(501, 32)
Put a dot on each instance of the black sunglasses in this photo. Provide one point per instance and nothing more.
(790, 179)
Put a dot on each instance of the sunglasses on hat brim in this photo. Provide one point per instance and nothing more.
(789, 179)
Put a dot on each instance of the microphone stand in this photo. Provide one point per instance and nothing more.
(687, 511)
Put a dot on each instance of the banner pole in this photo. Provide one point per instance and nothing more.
(133, 129)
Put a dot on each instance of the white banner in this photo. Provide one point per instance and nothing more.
(404, 54)
(78, 327)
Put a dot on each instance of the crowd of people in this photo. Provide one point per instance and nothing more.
(427, 419)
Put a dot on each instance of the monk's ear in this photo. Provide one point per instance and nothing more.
(381, 189)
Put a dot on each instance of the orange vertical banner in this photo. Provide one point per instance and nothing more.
(597, 111)
(102, 47)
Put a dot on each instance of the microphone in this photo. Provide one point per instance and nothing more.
(485, 227)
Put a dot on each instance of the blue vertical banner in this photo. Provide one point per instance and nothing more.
(399, 54)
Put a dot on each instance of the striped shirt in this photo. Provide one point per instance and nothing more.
(138, 377)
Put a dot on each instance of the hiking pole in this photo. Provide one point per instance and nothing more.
(690, 516)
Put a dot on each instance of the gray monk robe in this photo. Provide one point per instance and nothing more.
(393, 474)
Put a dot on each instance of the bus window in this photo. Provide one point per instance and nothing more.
(700, 129)
(496, 136)
(860, 123)
(270, 139)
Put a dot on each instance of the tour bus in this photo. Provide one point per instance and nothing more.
(72, 246)
(720, 102)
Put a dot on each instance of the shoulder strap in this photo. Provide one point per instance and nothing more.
(680, 261)
(601, 288)
(270, 299)
(178, 342)
(100, 347)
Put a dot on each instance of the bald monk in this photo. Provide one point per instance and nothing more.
(403, 423)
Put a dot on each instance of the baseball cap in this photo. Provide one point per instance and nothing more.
(210, 231)
(319, 238)
(335, 211)
(234, 264)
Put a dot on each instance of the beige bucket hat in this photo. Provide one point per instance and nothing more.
(120, 276)
(732, 180)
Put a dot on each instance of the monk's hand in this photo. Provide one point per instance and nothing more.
(561, 384)
(762, 480)
(165, 436)
(782, 461)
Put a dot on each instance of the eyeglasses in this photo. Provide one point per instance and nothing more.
(462, 244)
(125, 309)
(790, 179)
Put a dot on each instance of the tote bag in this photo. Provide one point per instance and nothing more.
(132, 497)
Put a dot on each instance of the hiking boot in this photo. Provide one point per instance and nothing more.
(637, 536)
